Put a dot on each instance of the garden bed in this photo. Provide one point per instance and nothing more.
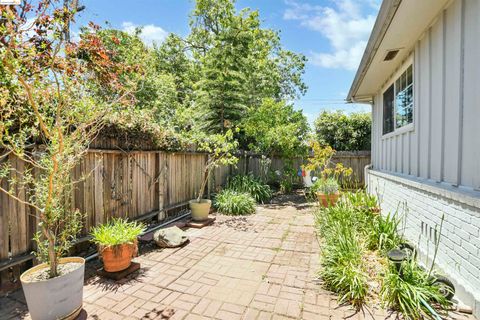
(357, 248)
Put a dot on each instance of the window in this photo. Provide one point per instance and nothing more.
(398, 103)
(388, 97)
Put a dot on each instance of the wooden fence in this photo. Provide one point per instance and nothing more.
(135, 185)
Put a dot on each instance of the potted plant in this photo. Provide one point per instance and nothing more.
(48, 117)
(220, 149)
(326, 187)
(327, 191)
(117, 243)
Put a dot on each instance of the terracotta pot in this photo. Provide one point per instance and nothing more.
(56, 298)
(119, 257)
(200, 210)
(327, 200)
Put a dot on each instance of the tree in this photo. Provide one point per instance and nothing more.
(220, 148)
(155, 90)
(275, 128)
(48, 115)
(240, 63)
(344, 132)
(171, 58)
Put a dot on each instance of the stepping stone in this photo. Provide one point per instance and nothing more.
(170, 237)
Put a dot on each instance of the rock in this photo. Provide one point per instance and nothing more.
(171, 237)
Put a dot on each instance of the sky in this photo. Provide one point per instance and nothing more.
(332, 34)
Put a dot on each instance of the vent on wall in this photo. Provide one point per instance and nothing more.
(391, 54)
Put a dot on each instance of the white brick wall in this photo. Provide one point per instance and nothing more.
(421, 202)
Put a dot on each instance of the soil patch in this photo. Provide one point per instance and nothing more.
(44, 274)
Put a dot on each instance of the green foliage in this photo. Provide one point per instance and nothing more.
(384, 235)
(232, 202)
(344, 132)
(343, 268)
(345, 228)
(239, 62)
(171, 58)
(220, 148)
(46, 98)
(249, 184)
(405, 290)
(325, 186)
(352, 228)
(361, 200)
(321, 159)
(117, 231)
(275, 128)
(155, 89)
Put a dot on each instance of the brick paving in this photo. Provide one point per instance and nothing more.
(257, 267)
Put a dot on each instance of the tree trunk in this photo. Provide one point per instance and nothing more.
(52, 256)
(204, 183)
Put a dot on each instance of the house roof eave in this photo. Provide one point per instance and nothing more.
(383, 21)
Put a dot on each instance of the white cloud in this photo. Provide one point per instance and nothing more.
(150, 33)
(344, 25)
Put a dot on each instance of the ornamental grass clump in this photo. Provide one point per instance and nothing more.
(407, 289)
(344, 269)
(117, 231)
(231, 202)
(248, 183)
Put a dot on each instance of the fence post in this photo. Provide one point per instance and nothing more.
(162, 184)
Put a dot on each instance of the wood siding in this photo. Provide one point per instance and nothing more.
(444, 142)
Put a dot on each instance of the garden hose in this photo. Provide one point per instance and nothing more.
(430, 309)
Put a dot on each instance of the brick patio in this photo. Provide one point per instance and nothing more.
(258, 267)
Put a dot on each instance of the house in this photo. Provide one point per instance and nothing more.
(421, 74)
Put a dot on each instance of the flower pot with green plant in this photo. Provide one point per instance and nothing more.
(117, 243)
(327, 191)
(48, 117)
(220, 149)
(327, 187)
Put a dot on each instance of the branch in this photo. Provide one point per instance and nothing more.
(20, 200)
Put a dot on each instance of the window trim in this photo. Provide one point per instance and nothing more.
(393, 78)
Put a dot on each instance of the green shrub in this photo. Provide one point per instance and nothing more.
(325, 186)
(344, 132)
(232, 202)
(405, 293)
(117, 231)
(248, 183)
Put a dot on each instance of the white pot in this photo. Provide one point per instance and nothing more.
(56, 298)
(200, 210)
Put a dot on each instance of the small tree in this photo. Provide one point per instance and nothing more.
(220, 148)
(48, 114)
(322, 160)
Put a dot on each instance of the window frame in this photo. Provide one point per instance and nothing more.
(392, 81)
